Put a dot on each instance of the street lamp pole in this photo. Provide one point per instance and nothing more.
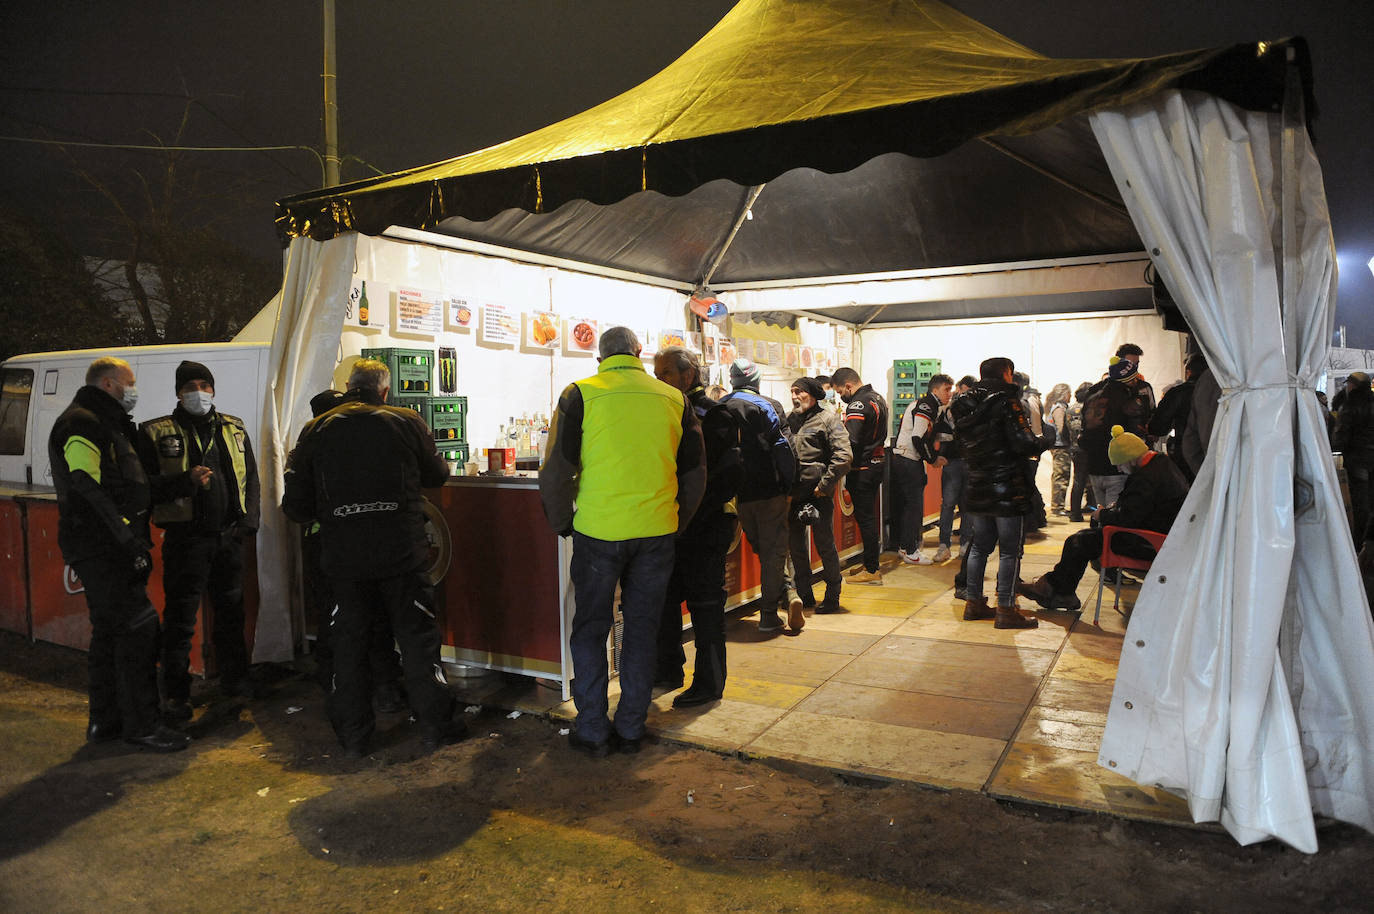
(331, 101)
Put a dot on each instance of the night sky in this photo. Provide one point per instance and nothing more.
(430, 79)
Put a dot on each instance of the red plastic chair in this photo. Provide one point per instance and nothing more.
(1111, 560)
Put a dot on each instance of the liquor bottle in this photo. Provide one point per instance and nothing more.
(362, 306)
(524, 446)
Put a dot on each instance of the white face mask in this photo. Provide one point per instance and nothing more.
(130, 398)
(197, 402)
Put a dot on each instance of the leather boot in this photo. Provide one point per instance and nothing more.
(975, 609)
(1010, 617)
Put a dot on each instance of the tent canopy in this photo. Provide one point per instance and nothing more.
(857, 115)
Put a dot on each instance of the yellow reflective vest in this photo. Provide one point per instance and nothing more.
(631, 427)
(173, 456)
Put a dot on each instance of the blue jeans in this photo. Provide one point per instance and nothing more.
(953, 488)
(1005, 534)
(641, 568)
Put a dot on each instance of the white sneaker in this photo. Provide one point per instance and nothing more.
(915, 558)
(941, 555)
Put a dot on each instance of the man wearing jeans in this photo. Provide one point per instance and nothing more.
(623, 472)
(997, 438)
(954, 479)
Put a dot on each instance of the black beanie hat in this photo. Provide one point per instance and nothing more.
(193, 371)
(811, 386)
(324, 401)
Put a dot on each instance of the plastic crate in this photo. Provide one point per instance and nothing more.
(455, 452)
(412, 370)
(926, 369)
(899, 405)
(418, 403)
(448, 417)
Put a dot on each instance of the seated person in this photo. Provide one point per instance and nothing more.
(1151, 499)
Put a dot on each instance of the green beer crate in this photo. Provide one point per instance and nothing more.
(455, 452)
(408, 401)
(448, 417)
(412, 370)
(925, 370)
(898, 406)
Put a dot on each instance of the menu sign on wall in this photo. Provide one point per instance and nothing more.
(500, 325)
(580, 335)
(542, 330)
(419, 313)
(460, 314)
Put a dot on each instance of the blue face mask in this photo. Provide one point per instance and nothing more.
(830, 395)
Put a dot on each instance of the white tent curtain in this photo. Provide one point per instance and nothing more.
(305, 349)
(1246, 681)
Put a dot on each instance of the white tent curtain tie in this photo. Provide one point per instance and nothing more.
(1291, 384)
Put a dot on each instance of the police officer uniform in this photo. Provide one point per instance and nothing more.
(206, 527)
(102, 499)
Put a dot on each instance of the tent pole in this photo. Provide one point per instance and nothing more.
(1111, 204)
(734, 230)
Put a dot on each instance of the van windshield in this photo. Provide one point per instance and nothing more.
(14, 408)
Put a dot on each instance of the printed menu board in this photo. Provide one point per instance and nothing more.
(500, 325)
(418, 312)
(745, 348)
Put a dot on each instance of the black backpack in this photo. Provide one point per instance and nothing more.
(770, 464)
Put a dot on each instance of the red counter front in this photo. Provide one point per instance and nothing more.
(501, 598)
(40, 595)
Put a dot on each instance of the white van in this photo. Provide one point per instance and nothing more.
(38, 387)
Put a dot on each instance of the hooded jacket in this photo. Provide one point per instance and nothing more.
(996, 438)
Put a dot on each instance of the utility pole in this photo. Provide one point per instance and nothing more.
(331, 101)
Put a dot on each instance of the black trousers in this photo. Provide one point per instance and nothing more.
(124, 644)
(699, 579)
(863, 486)
(1085, 547)
(194, 565)
(1036, 518)
(381, 654)
(1357, 476)
(408, 600)
(909, 478)
(823, 534)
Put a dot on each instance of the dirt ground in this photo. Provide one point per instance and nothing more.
(262, 814)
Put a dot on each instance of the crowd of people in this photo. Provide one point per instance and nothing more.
(653, 478)
(772, 473)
